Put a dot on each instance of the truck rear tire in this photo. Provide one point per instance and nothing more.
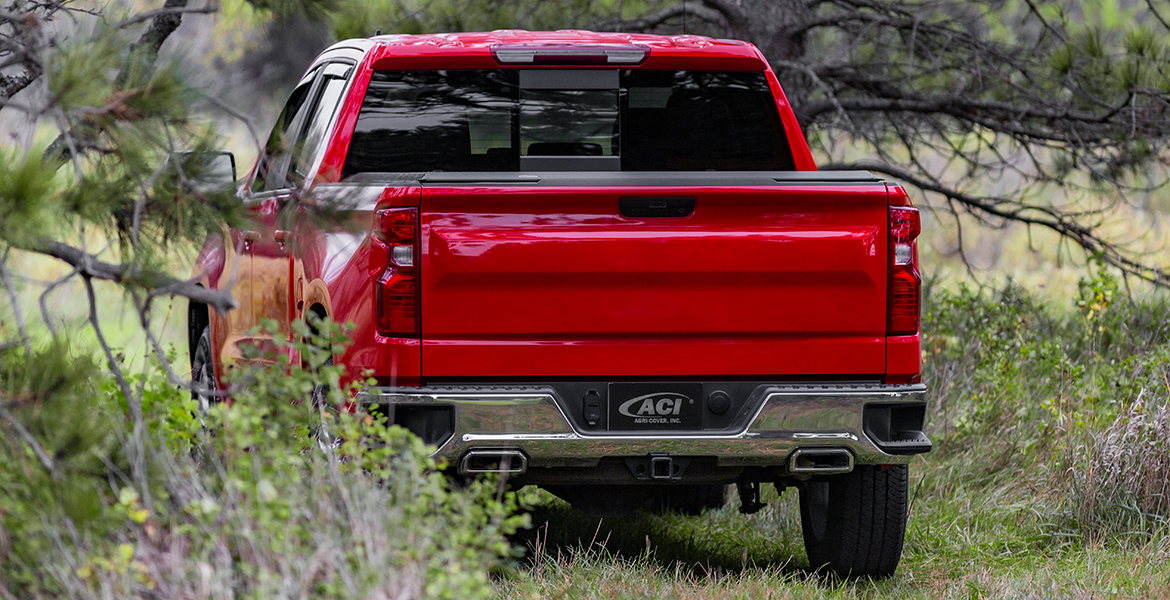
(854, 524)
(203, 387)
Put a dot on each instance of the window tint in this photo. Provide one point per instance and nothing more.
(270, 172)
(417, 121)
(568, 122)
(436, 120)
(701, 120)
(333, 79)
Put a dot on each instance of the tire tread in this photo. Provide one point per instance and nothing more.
(866, 525)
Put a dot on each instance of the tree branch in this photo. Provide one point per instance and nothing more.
(37, 448)
(43, 300)
(730, 12)
(16, 310)
(146, 16)
(89, 266)
(10, 85)
(1051, 219)
(164, 22)
(659, 18)
(1158, 15)
(138, 449)
(993, 115)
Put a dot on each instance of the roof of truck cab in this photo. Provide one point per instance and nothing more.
(473, 49)
(472, 40)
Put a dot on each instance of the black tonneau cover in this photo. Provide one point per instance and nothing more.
(623, 178)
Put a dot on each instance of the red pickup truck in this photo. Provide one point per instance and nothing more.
(605, 264)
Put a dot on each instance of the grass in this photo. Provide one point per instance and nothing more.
(1026, 396)
(67, 307)
(963, 541)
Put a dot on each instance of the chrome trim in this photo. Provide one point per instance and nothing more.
(466, 469)
(795, 466)
(531, 419)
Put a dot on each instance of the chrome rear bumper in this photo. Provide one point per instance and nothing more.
(782, 419)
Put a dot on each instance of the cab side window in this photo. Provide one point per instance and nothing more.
(334, 76)
(271, 173)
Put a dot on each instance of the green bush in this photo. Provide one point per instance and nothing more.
(1068, 403)
(268, 495)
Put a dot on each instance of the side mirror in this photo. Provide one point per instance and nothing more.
(209, 172)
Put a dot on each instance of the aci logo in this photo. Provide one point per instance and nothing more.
(654, 406)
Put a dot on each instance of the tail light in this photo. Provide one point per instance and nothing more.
(396, 288)
(905, 284)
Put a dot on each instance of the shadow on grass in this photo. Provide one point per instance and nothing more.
(715, 543)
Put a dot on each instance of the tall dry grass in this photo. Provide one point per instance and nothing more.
(1120, 482)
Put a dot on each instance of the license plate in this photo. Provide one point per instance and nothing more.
(651, 406)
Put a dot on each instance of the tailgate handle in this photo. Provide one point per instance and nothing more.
(658, 206)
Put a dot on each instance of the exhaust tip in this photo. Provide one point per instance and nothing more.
(493, 461)
(820, 461)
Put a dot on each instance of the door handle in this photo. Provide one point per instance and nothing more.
(658, 206)
(250, 237)
(280, 235)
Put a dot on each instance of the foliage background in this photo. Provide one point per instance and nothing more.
(1050, 378)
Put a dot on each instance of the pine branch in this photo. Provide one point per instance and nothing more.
(164, 22)
(87, 265)
(27, 436)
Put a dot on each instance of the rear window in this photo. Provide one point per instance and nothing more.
(632, 120)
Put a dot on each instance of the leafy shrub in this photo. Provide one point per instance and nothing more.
(1066, 403)
(256, 499)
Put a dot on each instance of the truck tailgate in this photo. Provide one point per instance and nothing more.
(551, 280)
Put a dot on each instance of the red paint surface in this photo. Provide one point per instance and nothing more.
(347, 114)
(801, 155)
(348, 262)
(473, 50)
(903, 359)
(555, 283)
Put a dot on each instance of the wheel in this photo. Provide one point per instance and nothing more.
(203, 386)
(320, 393)
(326, 440)
(694, 499)
(854, 524)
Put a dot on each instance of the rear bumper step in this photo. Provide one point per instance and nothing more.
(798, 429)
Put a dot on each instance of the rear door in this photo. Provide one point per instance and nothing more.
(555, 279)
(263, 268)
